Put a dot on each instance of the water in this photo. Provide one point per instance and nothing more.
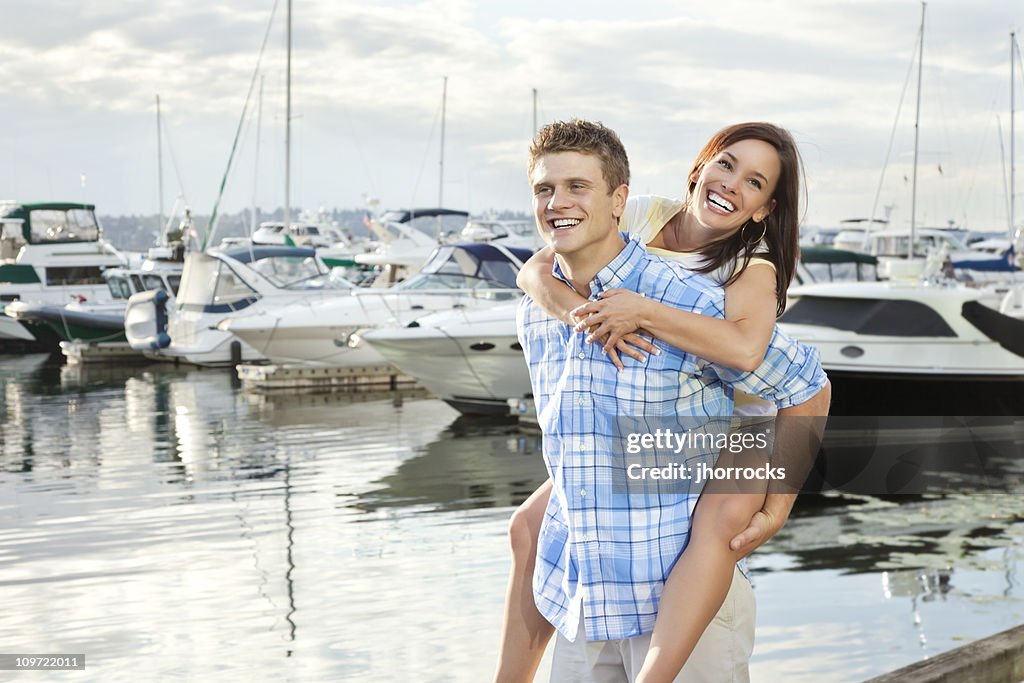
(172, 527)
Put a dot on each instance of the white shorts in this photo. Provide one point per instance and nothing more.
(722, 654)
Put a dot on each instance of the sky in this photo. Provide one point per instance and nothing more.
(78, 115)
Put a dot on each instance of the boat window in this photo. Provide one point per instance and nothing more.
(896, 245)
(119, 287)
(229, 288)
(460, 268)
(72, 225)
(153, 282)
(74, 275)
(887, 317)
(174, 281)
(137, 282)
(842, 272)
(293, 272)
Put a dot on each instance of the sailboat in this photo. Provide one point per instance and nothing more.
(220, 282)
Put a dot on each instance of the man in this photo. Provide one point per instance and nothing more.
(603, 557)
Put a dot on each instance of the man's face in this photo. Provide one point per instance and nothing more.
(572, 203)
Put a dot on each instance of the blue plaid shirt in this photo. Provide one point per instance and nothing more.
(602, 551)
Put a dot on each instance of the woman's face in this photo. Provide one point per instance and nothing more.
(736, 185)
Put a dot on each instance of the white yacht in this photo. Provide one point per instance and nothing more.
(102, 323)
(405, 240)
(219, 284)
(51, 252)
(324, 333)
(471, 359)
(915, 347)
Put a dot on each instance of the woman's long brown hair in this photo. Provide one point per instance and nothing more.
(782, 225)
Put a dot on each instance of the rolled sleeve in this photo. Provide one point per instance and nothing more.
(790, 374)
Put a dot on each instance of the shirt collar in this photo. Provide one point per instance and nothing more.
(617, 271)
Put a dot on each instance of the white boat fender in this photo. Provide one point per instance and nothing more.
(145, 321)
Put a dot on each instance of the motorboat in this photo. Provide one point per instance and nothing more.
(470, 359)
(101, 323)
(405, 240)
(326, 332)
(512, 233)
(915, 347)
(52, 253)
(219, 284)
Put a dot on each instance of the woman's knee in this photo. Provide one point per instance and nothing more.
(522, 536)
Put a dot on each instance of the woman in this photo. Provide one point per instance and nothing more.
(739, 226)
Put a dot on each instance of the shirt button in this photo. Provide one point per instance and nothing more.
(585, 538)
(582, 445)
(583, 493)
(582, 401)
(582, 356)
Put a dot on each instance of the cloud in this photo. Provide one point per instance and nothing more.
(367, 86)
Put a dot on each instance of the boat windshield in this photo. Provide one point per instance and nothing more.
(298, 272)
(210, 285)
(70, 225)
(896, 245)
(479, 266)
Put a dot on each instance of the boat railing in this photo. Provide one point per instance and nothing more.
(495, 294)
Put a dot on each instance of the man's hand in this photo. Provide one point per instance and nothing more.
(765, 523)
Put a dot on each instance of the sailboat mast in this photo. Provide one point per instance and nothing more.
(256, 166)
(534, 131)
(288, 129)
(917, 130)
(159, 166)
(1013, 184)
(444, 104)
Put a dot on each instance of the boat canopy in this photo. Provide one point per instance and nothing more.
(818, 254)
(406, 215)
(828, 264)
(50, 222)
(468, 266)
(289, 267)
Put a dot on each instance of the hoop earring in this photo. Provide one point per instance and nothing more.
(764, 231)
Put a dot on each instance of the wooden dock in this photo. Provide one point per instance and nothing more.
(83, 353)
(996, 659)
(304, 378)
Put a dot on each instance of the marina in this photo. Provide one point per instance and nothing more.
(172, 525)
(279, 432)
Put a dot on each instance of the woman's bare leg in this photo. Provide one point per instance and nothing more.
(700, 580)
(525, 633)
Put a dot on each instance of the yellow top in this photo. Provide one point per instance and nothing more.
(646, 216)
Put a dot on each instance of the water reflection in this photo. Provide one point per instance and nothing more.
(188, 529)
(472, 464)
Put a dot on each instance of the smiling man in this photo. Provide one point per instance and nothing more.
(603, 557)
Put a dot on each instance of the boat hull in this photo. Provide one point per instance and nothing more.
(472, 362)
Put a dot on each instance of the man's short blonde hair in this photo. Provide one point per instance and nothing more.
(585, 137)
